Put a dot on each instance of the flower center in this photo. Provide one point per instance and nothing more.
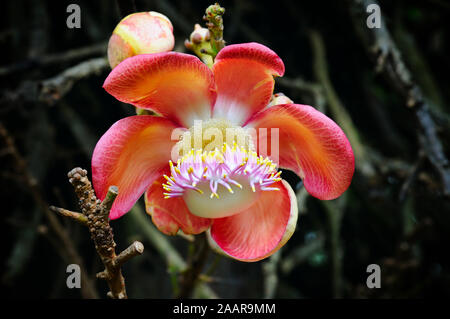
(211, 134)
(221, 182)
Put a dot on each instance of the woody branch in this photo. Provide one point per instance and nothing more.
(94, 215)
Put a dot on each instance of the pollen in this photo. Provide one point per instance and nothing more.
(220, 169)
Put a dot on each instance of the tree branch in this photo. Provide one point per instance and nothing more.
(384, 52)
(51, 90)
(96, 218)
(55, 88)
(54, 59)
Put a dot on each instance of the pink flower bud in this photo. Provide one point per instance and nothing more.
(140, 33)
(199, 34)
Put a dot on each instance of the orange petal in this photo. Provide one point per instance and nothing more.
(311, 145)
(131, 155)
(176, 85)
(259, 231)
(172, 214)
(244, 78)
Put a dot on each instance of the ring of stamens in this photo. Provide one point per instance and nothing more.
(220, 168)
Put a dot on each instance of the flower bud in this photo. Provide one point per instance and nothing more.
(199, 34)
(280, 98)
(199, 43)
(140, 33)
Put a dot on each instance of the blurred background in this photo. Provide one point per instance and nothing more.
(387, 88)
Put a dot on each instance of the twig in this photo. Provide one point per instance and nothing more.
(54, 59)
(97, 221)
(67, 213)
(382, 49)
(55, 88)
(51, 90)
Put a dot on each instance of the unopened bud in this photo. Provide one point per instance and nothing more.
(140, 33)
(199, 43)
(199, 34)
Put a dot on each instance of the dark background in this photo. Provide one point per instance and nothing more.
(395, 214)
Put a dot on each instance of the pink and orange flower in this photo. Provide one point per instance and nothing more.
(233, 192)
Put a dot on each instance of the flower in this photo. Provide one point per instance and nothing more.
(232, 191)
(139, 33)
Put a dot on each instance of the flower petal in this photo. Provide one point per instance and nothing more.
(244, 78)
(259, 231)
(131, 155)
(311, 145)
(172, 214)
(176, 85)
